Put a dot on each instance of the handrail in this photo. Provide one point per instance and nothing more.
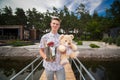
(33, 71)
(82, 67)
(79, 69)
(31, 64)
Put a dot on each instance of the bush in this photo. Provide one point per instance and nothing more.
(110, 40)
(87, 37)
(82, 37)
(118, 41)
(76, 40)
(94, 46)
(79, 43)
(105, 40)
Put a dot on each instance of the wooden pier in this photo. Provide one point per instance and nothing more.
(68, 71)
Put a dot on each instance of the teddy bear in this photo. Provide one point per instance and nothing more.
(67, 48)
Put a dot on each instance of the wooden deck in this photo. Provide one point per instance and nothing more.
(68, 71)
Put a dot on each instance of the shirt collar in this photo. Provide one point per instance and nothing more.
(53, 34)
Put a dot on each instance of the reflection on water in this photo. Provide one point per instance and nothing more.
(98, 72)
(10, 66)
(101, 70)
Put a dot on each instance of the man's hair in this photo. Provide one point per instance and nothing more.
(56, 18)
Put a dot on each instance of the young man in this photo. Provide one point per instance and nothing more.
(52, 66)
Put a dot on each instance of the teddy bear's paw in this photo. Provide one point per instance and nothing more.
(61, 48)
(63, 62)
(77, 53)
(74, 47)
(74, 55)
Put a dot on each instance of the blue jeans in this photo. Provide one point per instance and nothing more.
(60, 74)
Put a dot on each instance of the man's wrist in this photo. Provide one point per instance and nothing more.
(45, 58)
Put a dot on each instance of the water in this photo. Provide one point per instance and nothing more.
(101, 70)
(11, 65)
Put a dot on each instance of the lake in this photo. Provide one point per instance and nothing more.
(101, 70)
(9, 66)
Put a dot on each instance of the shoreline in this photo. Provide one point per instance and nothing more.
(17, 57)
(105, 52)
(13, 58)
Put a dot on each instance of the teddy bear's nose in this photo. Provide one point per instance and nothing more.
(68, 43)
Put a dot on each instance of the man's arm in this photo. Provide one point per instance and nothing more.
(42, 54)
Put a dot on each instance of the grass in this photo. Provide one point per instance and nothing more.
(17, 43)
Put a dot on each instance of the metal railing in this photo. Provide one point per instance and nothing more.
(80, 67)
(32, 69)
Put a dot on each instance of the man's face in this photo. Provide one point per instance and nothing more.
(55, 25)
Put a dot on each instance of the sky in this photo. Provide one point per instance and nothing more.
(44, 5)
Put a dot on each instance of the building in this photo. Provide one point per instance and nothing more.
(8, 32)
(14, 32)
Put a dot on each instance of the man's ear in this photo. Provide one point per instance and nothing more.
(71, 36)
(61, 37)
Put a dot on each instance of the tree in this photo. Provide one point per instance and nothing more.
(7, 11)
(96, 26)
(33, 18)
(1, 18)
(7, 16)
(114, 13)
(55, 12)
(21, 18)
(65, 25)
(47, 19)
(84, 18)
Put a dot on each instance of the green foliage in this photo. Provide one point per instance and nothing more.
(110, 40)
(105, 40)
(79, 43)
(113, 12)
(82, 37)
(118, 41)
(94, 46)
(85, 37)
(21, 18)
(94, 24)
(75, 39)
(114, 40)
(20, 43)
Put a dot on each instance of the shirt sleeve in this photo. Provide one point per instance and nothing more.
(42, 42)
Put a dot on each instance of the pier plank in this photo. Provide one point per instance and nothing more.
(68, 71)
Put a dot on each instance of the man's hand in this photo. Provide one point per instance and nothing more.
(50, 60)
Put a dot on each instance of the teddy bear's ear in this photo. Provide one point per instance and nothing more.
(61, 36)
(71, 36)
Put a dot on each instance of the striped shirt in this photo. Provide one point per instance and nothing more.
(51, 66)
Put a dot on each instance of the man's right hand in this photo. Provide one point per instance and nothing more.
(50, 60)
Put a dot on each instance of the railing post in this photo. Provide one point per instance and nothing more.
(83, 67)
(32, 73)
(81, 72)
